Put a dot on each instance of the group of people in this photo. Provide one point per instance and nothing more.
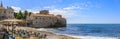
(4, 34)
(28, 34)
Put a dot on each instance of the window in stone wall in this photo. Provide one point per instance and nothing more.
(43, 18)
(36, 22)
(35, 17)
(39, 18)
(0, 12)
(10, 12)
(48, 18)
(4, 11)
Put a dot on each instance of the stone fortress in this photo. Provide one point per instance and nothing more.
(46, 20)
(40, 20)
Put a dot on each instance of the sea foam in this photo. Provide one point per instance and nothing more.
(97, 37)
(89, 37)
(81, 37)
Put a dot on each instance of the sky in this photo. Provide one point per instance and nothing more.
(75, 11)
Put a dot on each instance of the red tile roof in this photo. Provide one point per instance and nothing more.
(42, 15)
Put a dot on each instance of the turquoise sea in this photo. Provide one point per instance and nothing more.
(90, 31)
(93, 31)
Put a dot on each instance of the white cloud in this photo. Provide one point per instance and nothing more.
(63, 12)
(66, 12)
(73, 7)
(33, 10)
(16, 9)
(49, 7)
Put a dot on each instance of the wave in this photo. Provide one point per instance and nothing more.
(89, 37)
(46, 29)
(69, 35)
(81, 37)
(51, 30)
(97, 37)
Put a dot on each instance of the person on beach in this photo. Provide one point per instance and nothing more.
(4, 33)
(11, 37)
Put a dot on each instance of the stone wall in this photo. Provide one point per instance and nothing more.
(47, 20)
(6, 13)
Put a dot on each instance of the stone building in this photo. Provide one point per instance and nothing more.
(46, 20)
(6, 13)
(44, 12)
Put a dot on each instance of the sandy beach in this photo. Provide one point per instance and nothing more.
(50, 35)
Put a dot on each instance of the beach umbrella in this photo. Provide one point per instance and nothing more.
(12, 22)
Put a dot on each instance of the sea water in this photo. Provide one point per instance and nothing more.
(90, 31)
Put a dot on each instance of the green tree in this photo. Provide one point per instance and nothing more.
(30, 13)
(19, 15)
(15, 14)
(22, 15)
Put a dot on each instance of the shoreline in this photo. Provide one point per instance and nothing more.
(50, 30)
(49, 34)
(78, 36)
(69, 35)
